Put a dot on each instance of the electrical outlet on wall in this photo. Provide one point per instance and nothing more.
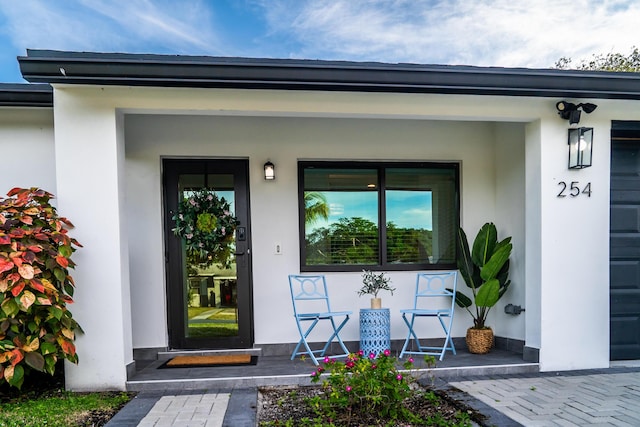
(277, 248)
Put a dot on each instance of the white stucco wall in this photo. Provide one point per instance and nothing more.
(512, 152)
(574, 258)
(26, 138)
(510, 221)
(274, 205)
(89, 173)
(533, 224)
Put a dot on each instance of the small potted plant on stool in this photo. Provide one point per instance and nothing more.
(373, 283)
(375, 323)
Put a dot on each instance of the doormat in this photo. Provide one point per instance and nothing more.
(209, 361)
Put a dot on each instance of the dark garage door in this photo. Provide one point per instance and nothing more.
(625, 241)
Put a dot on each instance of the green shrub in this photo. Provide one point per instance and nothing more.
(36, 328)
(365, 385)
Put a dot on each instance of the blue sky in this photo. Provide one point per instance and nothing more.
(406, 209)
(505, 33)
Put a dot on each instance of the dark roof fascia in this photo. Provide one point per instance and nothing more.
(45, 66)
(26, 95)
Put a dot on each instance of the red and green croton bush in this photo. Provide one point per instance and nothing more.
(36, 328)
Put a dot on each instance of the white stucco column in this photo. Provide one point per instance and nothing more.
(533, 242)
(89, 157)
(567, 249)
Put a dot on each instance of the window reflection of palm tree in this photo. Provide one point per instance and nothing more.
(315, 207)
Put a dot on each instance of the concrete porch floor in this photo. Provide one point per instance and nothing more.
(280, 370)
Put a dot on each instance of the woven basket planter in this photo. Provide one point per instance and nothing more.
(479, 341)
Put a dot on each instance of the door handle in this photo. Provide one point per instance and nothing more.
(239, 253)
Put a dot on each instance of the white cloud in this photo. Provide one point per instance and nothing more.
(496, 32)
(415, 218)
(116, 25)
(181, 25)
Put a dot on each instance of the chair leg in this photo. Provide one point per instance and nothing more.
(448, 342)
(336, 335)
(303, 341)
(344, 347)
(312, 353)
(435, 351)
(295, 350)
(409, 335)
(308, 351)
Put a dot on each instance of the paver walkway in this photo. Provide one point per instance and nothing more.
(611, 399)
(195, 410)
(600, 397)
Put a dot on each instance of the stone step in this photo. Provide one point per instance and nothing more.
(243, 378)
(220, 383)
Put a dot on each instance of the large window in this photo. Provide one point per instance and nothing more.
(343, 204)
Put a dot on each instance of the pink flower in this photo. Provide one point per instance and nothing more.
(209, 197)
(326, 359)
(192, 202)
(350, 364)
(361, 353)
(348, 388)
(223, 231)
(411, 360)
(189, 236)
(373, 366)
(314, 373)
(387, 352)
(399, 377)
(372, 356)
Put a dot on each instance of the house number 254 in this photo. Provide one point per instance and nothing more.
(574, 189)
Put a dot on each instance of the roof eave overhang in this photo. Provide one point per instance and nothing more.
(26, 95)
(244, 73)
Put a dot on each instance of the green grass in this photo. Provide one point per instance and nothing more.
(194, 311)
(42, 401)
(226, 313)
(62, 409)
(222, 323)
(206, 330)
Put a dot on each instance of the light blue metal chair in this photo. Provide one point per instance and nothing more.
(434, 297)
(311, 305)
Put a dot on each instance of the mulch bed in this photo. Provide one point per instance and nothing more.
(279, 404)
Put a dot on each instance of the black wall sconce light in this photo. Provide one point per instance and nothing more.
(581, 138)
(269, 171)
(580, 147)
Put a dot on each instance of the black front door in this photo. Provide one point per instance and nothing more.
(209, 300)
(625, 241)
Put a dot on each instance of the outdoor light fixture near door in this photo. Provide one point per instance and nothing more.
(269, 171)
(580, 147)
(580, 139)
(571, 112)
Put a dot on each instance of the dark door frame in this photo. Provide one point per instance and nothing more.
(171, 169)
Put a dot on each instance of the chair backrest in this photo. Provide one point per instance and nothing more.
(309, 294)
(440, 285)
